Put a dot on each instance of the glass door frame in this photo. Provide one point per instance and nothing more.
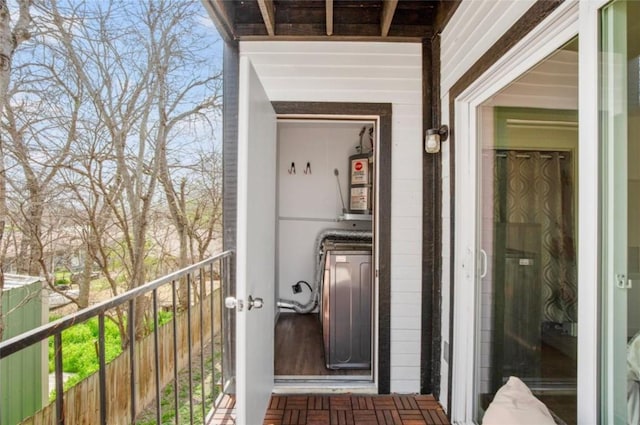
(590, 218)
(563, 24)
(613, 128)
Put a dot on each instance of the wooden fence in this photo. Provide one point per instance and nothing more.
(82, 402)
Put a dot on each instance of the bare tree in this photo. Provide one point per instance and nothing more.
(172, 114)
(137, 64)
(10, 38)
(93, 190)
(40, 123)
(204, 204)
(107, 138)
(195, 207)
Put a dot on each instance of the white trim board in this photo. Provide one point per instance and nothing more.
(588, 224)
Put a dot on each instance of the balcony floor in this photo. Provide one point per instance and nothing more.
(344, 410)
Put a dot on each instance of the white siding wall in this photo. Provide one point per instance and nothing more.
(370, 72)
(552, 84)
(473, 29)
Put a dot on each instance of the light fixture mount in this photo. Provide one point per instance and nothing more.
(434, 137)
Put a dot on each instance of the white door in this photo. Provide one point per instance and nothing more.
(255, 259)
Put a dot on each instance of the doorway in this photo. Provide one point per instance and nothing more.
(325, 200)
(380, 115)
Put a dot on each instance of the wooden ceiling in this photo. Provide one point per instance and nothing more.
(329, 19)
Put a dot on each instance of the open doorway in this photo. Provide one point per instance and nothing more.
(527, 289)
(326, 329)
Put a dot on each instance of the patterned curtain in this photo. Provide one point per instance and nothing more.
(537, 187)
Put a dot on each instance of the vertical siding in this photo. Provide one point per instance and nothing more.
(472, 30)
(230, 150)
(382, 73)
(21, 374)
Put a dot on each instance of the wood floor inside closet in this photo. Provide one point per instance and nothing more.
(299, 349)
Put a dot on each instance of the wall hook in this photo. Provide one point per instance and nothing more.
(307, 169)
(292, 169)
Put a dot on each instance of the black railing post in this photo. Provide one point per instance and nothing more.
(103, 370)
(189, 346)
(132, 356)
(228, 329)
(156, 345)
(202, 375)
(176, 385)
(57, 347)
(213, 339)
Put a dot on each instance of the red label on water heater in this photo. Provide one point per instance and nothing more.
(359, 171)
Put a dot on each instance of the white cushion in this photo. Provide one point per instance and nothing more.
(633, 358)
(514, 404)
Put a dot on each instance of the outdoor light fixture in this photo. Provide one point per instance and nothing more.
(433, 138)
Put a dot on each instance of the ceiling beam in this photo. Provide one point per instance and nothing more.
(268, 15)
(221, 13)
(388, 10)
(329, 7)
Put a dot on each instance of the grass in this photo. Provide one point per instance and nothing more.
(163, 317)
(62, 277)
(100, 284)
(167, 402)
(80, 349)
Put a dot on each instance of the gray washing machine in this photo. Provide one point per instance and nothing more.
(346, 314)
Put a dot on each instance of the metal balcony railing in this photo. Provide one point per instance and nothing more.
(198, 324)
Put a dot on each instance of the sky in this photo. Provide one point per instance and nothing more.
(201, 31)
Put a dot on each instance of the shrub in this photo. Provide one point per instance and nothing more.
(80, 347)
(163, 317)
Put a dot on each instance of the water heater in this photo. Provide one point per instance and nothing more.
(361, 178)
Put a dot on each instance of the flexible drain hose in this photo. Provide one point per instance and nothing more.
(319, 259)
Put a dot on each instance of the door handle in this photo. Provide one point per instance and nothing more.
(232, 302)
(484, 269)
(255, 302)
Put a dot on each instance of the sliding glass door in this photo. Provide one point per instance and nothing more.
(527, 284)
(620, 137)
